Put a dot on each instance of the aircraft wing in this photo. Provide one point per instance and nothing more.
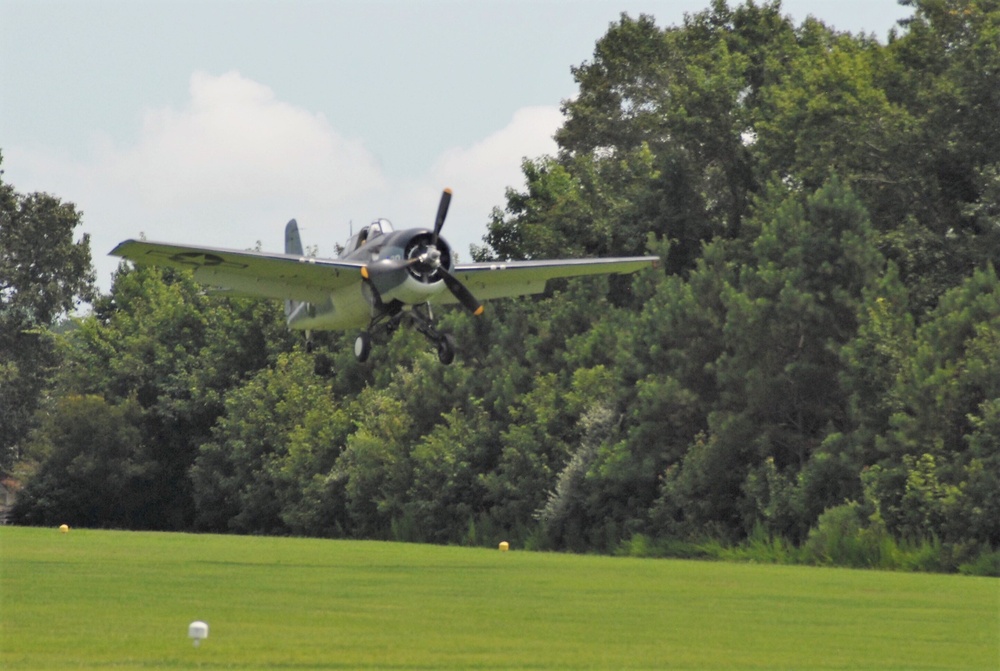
(245, 273)
(521, 278)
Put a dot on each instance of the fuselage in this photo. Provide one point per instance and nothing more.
(396, 273)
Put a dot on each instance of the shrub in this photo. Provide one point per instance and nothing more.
(986, 564)
(841, 539)
(763, 548)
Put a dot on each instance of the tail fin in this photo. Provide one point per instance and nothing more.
(293, 245)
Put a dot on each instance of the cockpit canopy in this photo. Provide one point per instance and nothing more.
(373, 230)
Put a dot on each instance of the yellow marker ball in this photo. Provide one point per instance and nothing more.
(504, 546)
(64, 528)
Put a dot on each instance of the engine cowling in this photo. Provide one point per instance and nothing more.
(427, 256)
(410, 267)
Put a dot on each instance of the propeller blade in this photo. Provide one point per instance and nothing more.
(442, 213)
(460, 292)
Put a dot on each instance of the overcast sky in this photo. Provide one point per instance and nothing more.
(213, 122)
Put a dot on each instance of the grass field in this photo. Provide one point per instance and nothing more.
(118, 600)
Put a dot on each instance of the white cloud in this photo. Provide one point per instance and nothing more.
(234, 142)
(498, 157)
(480, 174)
(233, 163)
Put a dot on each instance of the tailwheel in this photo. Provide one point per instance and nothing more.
(363, 346)
(446, 348)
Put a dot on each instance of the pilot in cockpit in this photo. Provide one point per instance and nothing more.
(379, 227)
(370, 232)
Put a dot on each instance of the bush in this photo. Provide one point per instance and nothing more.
(763, 548)
(986, 564)
(926, 556)
(841, 539)
(639, 545)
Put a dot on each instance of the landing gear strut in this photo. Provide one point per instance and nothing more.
(423, 321)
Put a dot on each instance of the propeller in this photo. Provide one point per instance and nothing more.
(442, 213)
(428, 262)
(460, 292)
(455, 286)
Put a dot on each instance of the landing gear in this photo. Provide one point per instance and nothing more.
(421, 318)
(446, 348)
(363, 346)
(423, 321)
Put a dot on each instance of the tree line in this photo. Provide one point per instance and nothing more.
(813, 374)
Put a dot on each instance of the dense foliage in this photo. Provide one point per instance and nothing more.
(43, 273)
(816, 374)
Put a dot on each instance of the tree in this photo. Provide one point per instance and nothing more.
(946, 73)
(692, 95)
(936, 467)
(279, 430)
(375, 468)
(791, 308)
(156, 339)
(572, 518)
(44, 274)
(832, 113)
(445, 495)
(95, 472)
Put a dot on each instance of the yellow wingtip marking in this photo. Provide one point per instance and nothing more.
(479, 310)
(364, 272)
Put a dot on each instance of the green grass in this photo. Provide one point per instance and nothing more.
(118, 600)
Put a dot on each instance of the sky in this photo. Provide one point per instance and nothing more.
(213, 122)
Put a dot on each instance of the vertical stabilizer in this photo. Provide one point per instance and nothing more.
(293, 245)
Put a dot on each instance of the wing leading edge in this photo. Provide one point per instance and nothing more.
(261, 274)
(522, 278)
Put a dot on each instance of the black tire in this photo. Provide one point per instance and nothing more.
(363, 347)
(446, 349)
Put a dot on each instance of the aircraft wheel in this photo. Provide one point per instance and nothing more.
(446, 349)
(363, 346)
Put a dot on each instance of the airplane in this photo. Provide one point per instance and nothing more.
(382, 278)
